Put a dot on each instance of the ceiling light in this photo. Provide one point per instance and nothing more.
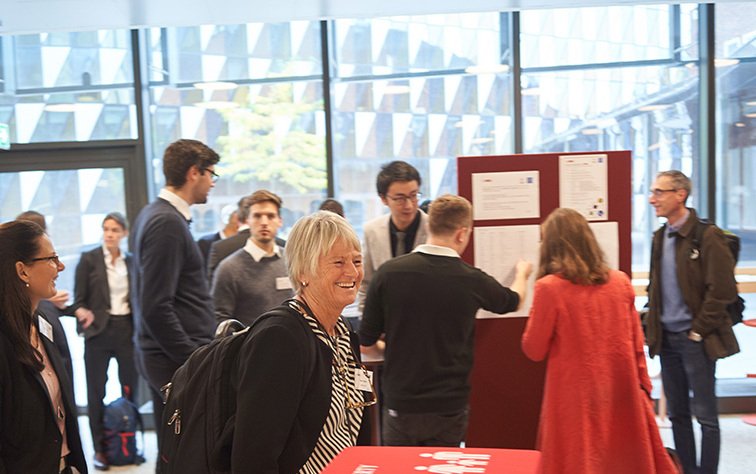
(216, 86)
(487, 69)
(60, 107)
(396, 90)
(653, 107)
(592, 131)
(751, 115)
(724, 62)
(751, 102)
(740, 124)
(217, 105)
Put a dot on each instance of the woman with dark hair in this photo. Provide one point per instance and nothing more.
(597, 414)
(101, 306)
(38, 427)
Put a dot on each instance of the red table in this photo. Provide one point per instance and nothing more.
(398, 460)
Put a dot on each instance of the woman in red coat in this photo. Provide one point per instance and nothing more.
(597, 415)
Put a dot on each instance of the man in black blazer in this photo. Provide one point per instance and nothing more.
(223, 248)
(230, 219)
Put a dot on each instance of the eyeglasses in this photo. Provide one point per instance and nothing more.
(402, 199)
(656, 192)
(341, 370)
(52, 259)
(213, 175)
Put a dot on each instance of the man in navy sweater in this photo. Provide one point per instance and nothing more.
(172, 308)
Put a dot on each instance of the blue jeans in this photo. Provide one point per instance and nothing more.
(686, 368)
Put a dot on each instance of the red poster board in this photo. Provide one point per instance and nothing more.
(507, 388)
(427, 460)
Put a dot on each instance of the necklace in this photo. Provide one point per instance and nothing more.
(48, 374)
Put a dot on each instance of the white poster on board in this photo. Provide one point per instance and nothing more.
(497, 251)
(583, 185)
(607, 235)
(506, 195)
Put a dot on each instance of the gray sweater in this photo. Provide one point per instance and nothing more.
(244, 289)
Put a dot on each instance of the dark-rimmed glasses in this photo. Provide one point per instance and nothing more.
(213, 175)
(402, 199)
(657, 192)
(51, 259)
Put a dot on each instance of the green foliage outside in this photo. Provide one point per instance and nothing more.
(266, 142)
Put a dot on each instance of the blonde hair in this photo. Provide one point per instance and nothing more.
(569, 248)
(312, 237)
(449, 213)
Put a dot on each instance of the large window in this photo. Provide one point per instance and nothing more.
(68, 87)
(254, 94)
(611, 78)
(736, 122)
(423, 89)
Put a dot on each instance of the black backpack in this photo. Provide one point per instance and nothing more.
(197, 430)
(737, 307)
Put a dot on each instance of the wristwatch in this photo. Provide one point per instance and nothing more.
(694, 336)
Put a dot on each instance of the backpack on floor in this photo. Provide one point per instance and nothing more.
(736, 308)
(121, 420)
(197, 430)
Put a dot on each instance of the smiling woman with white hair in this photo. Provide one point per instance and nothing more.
(302, 390)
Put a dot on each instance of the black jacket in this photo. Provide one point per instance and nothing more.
(91, 289)
(29, 437)
(284, 395)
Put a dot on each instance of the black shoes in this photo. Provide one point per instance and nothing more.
(100, 462)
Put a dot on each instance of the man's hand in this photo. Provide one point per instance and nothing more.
(60, 299)
(523, 269)
(85, 317)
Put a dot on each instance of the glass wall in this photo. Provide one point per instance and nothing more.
(254, 94)
(68, 86)
(425, 89)
(736, 122)
(612, 78)
(420, 89)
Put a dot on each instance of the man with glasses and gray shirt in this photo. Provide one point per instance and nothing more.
(691, 283)
(398, 232)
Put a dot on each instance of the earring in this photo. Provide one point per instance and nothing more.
(27, 284)
(304, 283)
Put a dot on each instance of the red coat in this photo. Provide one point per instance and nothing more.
(597, 416)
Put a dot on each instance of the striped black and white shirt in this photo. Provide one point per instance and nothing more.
(342, 423)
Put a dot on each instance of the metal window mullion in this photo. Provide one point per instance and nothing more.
(707, 110)
(326, 84)
(515, 77)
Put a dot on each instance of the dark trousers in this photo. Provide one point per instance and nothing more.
(114, 341)
(686, 368)
(424, 429)
(158, 370)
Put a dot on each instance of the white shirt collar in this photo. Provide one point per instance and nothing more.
(257, 253)
(438, 250)
(176, 201)
(108, 256)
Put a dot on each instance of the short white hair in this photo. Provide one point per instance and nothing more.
(226, 211)
(312, 237)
